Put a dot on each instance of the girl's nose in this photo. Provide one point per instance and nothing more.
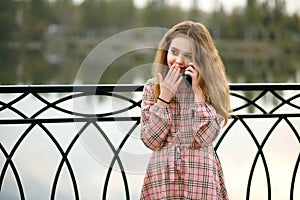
(179, 60)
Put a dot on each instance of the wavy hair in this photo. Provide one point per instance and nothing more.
(212, 77)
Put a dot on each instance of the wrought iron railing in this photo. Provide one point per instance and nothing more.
(81, 105)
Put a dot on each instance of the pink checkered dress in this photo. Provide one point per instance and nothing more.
(183, 164)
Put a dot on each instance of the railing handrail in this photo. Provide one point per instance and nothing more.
(130, 87)
(114, 90)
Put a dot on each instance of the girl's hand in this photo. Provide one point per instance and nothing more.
(169, 84)
(194, 74)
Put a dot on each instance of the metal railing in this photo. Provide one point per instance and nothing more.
(248, 101)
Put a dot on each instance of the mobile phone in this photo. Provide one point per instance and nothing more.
(188, 79)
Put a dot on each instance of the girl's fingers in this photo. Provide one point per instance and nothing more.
(172, 79)
(191, 64)
(160, 77)
(178, 82)
(190, 68)
(173, 75)
(191, 71)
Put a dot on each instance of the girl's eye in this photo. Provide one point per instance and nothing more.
(188, 56)
(174, 52)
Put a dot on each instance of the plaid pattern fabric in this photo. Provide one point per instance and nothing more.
(183, 164)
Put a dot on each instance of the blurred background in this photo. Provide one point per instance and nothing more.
(45, 41)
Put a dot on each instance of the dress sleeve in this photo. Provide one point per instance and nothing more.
(155, 121)
(206, 124)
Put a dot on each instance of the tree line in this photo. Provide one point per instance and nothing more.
(27, 20)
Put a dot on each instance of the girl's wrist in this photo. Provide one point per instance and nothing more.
(165, 96)
(161, 104)
(163, 100)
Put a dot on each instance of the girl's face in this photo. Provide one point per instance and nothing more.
(180, 53)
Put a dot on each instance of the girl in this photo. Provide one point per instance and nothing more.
(181, 119)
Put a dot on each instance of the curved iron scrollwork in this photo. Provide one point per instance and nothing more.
(248, 107)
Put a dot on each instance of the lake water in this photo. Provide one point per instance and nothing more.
(129, 54)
